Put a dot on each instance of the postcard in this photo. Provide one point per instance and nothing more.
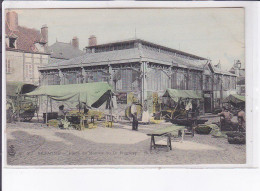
(125, 86)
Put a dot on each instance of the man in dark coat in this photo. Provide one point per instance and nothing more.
(61, 115)
(133, 111)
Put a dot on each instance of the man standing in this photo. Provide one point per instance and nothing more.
(241, 117)
(133, 110)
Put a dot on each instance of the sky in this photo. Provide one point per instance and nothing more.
(214, 33)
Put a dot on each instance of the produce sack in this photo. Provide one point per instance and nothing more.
(236, 140)
(203, 129)
(235, 134)
(236, 137)
(216, 132)
(53, 122)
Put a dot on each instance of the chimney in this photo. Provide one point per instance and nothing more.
(12, 20)
(92, 40)
(75, 42)
(44, 32)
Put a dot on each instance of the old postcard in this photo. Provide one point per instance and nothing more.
(135, 86)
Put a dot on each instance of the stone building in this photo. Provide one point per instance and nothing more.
(144, 70)
(25, 50)
(239, 70)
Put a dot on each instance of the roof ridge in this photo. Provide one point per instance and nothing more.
(63, 42)
(154, 44)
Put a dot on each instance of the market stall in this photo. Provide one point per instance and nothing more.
(177, 101)
(20, 106)
(235, 100)
(185, 108)
(235, 103)
(92, 95)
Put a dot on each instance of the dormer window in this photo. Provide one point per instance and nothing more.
(12, 42)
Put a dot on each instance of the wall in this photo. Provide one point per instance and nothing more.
(24, 66)
(15, 59)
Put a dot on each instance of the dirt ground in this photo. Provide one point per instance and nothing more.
(36, 144)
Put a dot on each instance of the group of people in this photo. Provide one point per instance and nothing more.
(227, 116)
(193, 108)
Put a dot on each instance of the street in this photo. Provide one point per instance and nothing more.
(36, 144)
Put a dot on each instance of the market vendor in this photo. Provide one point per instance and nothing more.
(61, 115)
(227, 116)
(194, 108)
(145, 114)
(86, 112)
(241, 118)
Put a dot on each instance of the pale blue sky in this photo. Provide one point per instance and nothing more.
(215, 33)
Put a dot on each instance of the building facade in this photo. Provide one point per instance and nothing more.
(141, 69)
(240, 72)
(25, 50)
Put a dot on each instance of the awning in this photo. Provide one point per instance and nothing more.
(15, 88)
(93, 94)
(177, 94)
(234, 98)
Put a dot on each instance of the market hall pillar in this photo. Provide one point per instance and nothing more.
(61, 75)
(83, 73)
(143, 81)
(110, 76)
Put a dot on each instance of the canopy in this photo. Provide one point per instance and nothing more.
(235, 99)
(15, 88)
(93, 94)
(177, 94)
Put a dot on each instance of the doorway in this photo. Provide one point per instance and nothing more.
(207, 104)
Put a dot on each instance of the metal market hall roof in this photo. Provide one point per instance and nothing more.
(127, 55)
(134, 51)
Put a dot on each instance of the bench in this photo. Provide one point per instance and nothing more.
(168, 132)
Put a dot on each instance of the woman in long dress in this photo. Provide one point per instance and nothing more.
(145, 115)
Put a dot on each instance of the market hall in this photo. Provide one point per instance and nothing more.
(143, 70)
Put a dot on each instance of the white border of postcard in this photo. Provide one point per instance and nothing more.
(59, 178)
(251, 56)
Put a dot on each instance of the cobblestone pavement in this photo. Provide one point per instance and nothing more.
(35, 144)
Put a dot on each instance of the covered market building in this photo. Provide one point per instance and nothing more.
(143, 70)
